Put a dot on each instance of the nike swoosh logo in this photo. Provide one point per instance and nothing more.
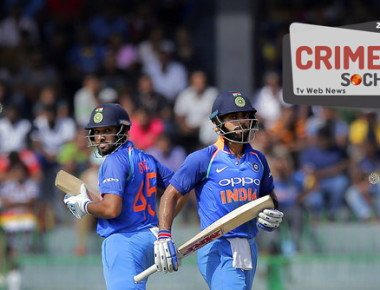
(218, 170)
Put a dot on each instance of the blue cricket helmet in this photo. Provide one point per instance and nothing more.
(231, 102)
(108, 115)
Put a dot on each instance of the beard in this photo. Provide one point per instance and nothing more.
(234, 136)
(106, 150)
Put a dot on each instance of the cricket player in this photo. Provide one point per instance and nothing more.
(128, 181)
(225, 176)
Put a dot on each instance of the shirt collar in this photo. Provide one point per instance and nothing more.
(221, 144)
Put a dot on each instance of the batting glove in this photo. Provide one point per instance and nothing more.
(77, 204)
(270, 219)
(165, 253)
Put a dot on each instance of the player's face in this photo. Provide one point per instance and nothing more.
(104, 139)
(237, 125)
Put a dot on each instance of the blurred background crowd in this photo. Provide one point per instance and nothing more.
(59, 59)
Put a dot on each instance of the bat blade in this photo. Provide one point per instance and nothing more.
(217, 229)
(71, 185)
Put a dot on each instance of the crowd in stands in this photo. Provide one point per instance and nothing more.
(59, 59)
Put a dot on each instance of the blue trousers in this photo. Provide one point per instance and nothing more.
(124, 255)
(215, 265)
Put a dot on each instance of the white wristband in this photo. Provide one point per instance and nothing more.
(85, 206)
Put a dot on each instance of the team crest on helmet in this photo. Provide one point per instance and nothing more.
(98, 117)
(255, 167)
(240, 102)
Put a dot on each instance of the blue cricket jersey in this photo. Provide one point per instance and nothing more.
(135, 176)
(222, 183)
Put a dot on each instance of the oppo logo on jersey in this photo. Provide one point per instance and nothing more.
(239, 181)
(110, 180)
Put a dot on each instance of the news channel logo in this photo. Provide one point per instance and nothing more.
(332, 66)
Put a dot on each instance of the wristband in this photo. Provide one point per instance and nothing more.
(164, 234)
(85, 206)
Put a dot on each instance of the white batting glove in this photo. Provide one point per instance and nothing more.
(165, 253)
(77, 204)
(269, 219)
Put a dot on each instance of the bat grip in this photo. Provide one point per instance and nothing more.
(145, 274)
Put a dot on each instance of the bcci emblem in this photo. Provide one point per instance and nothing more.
(240, 102)
(98, 117)
(255, 167)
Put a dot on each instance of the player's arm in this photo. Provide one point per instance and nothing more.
(165, 252)
(172, 201)
(164, 176)
(109, 207)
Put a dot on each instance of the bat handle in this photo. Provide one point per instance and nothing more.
(145, 274)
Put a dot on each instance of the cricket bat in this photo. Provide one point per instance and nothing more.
(71, 185)
(214, 231)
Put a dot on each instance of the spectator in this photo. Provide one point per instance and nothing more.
(73, 156)
(327, 163)
(51, 132)
(84, 56)
(268, 100)
(363, 196)
(146, 96)
(185, 47)
(14, 131)
(125, 53)
(289, 191)
(169, 77)
(169, 154)
(49, 135)
(192, 109)
(37, 74)
(18, 195)
(290, 131)
(49, 97)
(365, 126)
(110, 74)
(331, 120)
(14, 25)
(28, 157)
(146, 128)
(86, 98)
(148, 50)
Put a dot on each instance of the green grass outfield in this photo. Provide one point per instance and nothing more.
(350, 260)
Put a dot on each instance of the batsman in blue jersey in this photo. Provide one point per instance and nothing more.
(225, 175)
(128, 181)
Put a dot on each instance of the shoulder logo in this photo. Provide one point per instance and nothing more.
(218, 170)
(255, 167)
